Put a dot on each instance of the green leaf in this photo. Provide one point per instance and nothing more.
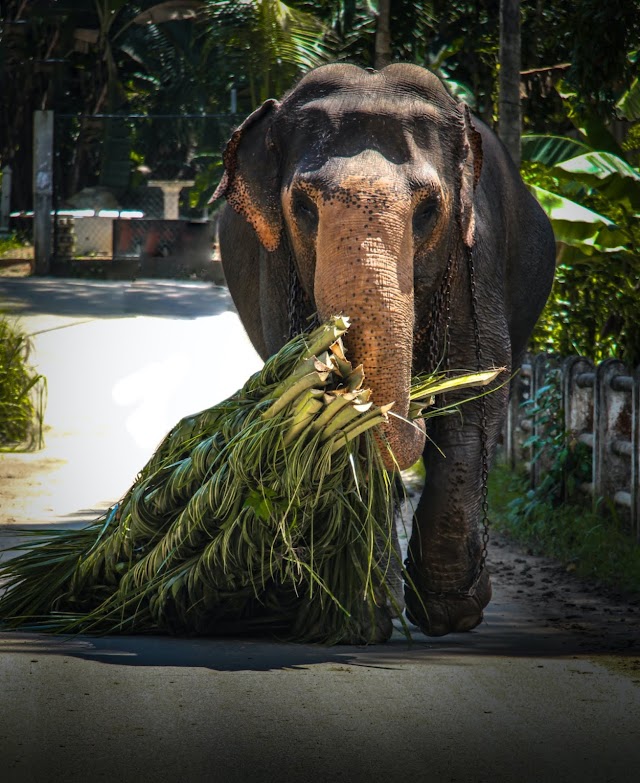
(447, 50)
(578, 226)
(205, 184)
(591, 126)
(551, 149)
(608, 173)
(169, 11)
(261, 501)
(628, 106)
(460, 92)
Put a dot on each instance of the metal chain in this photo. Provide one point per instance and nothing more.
(298, 304)
(295, 301)
(441, 306)
(437, 327)
(484, 448)
(446, 304)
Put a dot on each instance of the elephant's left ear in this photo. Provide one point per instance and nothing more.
(250, 182)
(471, 167)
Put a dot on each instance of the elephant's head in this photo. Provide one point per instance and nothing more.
(367, 179)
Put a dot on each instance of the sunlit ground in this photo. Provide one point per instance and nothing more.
(116, 386)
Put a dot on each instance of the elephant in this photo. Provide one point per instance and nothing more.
(378, 195)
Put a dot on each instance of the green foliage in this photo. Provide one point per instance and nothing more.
(210, 166)
(589, 45)
(21, 391)
(265, 45)
(628, 106)
(595, 546)
(272, 509)
(565, 463)
(9, 242)
(592, 196)
(91, 56)
(268, 511)
(555, 518)
(603, 34)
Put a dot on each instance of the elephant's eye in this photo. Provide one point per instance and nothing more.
(424, 217)
(305, 210)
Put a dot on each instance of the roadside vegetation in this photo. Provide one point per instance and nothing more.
(592, 544)
(9, 242)
(589, 185)
(556, 518)
(22, 391)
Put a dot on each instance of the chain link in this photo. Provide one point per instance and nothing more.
(442, 300)
(437, 327)
(484, 448)
(296, 301)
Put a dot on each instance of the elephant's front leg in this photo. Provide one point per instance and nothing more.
(450, 584)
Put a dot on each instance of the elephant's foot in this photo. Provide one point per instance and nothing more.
(437, 614)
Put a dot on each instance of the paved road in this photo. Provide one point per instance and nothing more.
(516, 700)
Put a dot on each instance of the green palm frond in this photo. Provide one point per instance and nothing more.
(270, 42)
(271, 510)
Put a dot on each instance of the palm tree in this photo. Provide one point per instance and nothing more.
(115, 56)
(263, 45)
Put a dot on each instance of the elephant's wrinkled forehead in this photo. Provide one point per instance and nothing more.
(382, 104)
(350, 122)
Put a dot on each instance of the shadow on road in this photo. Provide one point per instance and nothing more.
(226, 654)
(108, 299)
(508, 631)
(512, 628)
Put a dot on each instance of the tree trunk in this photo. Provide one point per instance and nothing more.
(383, 35)
(509, 123)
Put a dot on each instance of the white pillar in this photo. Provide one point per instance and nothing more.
(171, 194)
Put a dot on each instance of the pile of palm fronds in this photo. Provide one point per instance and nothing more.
(270, 510)
(21, 391)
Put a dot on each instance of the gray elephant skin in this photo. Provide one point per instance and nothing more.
(377, 195)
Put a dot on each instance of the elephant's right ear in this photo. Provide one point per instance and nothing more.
(470, 170)
(250, 182)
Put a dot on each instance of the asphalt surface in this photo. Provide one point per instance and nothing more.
(519, 699)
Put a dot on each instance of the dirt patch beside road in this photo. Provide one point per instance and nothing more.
(26, 482)
(599, 619)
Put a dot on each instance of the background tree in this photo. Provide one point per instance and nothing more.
(77, 57)
(383, 35)
(509, 124)
(263, 45)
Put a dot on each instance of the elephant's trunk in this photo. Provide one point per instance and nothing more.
(364, 268)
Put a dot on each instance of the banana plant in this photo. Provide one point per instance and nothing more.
(580, 172)
(590, 190)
